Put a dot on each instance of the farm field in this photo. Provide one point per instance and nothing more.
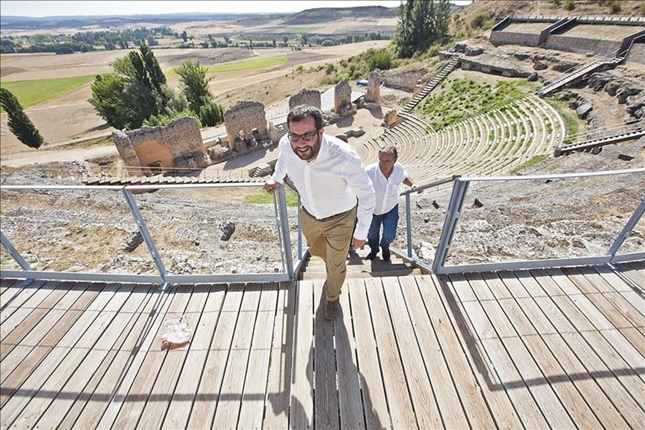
(69, 116)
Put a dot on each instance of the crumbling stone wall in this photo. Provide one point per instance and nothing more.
(246, 125)
(153, 150)
(373, 93)
(305, 97)
(343, 98)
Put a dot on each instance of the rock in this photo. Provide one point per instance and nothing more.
(583, 110)
(227, 230)
(134, 240)
(540, 65)
(473, 51)
(533, 77)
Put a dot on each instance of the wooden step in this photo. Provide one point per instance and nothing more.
(358, 267)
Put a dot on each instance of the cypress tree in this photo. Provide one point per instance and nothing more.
(19, 123)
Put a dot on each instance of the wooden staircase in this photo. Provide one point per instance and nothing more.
(432, 84)
(358, 267)
(580, 74)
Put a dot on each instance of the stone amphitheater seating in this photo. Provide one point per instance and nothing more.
(488, 144)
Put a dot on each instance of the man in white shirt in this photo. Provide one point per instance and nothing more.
(386, 176)
(335, 191)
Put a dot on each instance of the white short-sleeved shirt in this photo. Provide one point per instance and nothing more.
(387, 189)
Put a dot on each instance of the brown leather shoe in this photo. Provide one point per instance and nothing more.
(331, 310)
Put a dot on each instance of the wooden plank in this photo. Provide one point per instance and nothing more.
(513, 283)
(449, 361)
(27, 356)
(464, 294)
(479, 287)
(374, 404)
(573, 368)
(279, 383)
(611, 278)
(326, 408)
(502, 368)
(349, 379)
(76, 383)
(18, 410)
(174, 362)
(104, 382)
(398, 397)
(592, 307)
(213, 371)
(633, 273)
(583, 284)
(593, 353)
(16, 299)
(9, 290)
(18, 325)
(67, 375)
(131, 381)
(134, 402)
(302, 388)
(551, 373)
(496, 285)
(255, 385)
(424, 399)
(230, 397)
(185, 391)
(616, 309)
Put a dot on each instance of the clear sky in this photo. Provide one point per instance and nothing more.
(56, 8)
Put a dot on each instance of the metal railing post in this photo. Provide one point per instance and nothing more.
(283, 223)
(408, 224)
(141, 224)
(459, 190)
(622, 236)
(14, 253)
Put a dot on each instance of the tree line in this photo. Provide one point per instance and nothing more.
(137, 93)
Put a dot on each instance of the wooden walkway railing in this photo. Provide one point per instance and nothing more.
(530, 349)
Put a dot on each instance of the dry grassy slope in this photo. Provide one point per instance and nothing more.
(498, 10)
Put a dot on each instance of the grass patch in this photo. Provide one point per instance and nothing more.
(533, 161)
(465, 98)
(264, 198)
(573, 124)
(33, 92)
(249, 64)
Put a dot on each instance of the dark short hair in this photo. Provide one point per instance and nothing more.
(390, 149)
(301, 112)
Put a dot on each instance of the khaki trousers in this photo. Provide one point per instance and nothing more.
(329, 239)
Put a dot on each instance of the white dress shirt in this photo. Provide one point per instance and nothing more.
(331, 183)
(387, 189)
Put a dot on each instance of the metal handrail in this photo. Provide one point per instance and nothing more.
(163, 277)
(293, 266)
(459, 191)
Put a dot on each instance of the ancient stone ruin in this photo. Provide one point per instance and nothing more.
(343, 99)
(391, 118)
(246, 125)
(305, 97)
(153, 150)
(374, 82)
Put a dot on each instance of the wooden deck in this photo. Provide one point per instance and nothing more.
(529, 349)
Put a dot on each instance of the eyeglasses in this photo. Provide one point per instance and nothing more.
(305, 137)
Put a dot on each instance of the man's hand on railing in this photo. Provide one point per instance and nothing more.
(414, 187)
(270, 186)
